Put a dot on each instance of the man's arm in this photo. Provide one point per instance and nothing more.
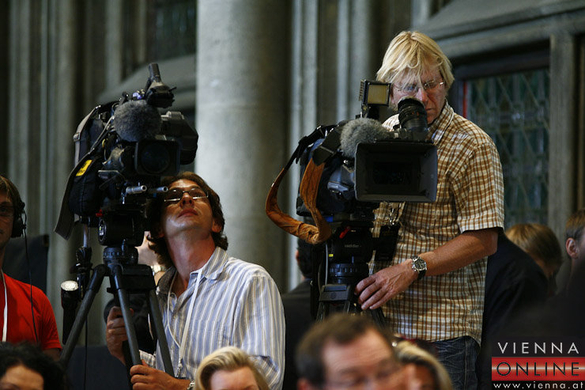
(143, 376)
(467, 248)
(263, 328)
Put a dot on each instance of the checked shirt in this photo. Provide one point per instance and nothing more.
(470, 196)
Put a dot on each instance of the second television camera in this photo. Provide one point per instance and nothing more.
(348, 169)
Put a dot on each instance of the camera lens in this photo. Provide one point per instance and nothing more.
(412, 115)
(155, 158)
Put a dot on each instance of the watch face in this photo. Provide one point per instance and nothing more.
(420, 264)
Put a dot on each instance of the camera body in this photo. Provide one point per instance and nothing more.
(373, 164)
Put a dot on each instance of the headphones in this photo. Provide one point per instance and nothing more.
(18, 224)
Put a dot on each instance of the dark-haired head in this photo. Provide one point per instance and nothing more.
(338, 328)
(156, 206)
(31, 357)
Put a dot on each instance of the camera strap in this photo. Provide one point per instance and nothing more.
(312, 234)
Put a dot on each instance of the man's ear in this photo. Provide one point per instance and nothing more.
(215, 227)
(571, 247)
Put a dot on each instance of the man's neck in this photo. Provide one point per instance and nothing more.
(188, 256)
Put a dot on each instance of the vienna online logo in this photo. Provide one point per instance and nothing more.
(538, 364)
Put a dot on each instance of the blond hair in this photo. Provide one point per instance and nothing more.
(228, 359)
(409, 55)
(539, 241)
(409, 353)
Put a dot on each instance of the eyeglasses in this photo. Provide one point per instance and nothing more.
(6, 211)
(174, 195)
(428, 86)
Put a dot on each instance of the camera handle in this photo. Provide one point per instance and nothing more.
(333, 296)
(348, 251)
(124, 278)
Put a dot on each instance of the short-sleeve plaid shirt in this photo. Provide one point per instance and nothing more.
(470, 196)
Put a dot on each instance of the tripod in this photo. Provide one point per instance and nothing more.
(126, 276)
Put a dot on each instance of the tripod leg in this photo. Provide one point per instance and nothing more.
(99, 272)
(159, 332)
(127, 314)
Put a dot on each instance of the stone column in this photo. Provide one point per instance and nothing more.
(241, 117)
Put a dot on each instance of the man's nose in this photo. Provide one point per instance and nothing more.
(186, 198)
(422, 95)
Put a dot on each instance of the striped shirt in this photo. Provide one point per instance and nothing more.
(470, 196)
(228, 302)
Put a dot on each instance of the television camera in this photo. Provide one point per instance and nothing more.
(347, 170)
(123, 149)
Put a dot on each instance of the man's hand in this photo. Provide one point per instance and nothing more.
(116, 333)
(148, 378)
(379, 288)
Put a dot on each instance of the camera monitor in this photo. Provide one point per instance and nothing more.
(396, 171)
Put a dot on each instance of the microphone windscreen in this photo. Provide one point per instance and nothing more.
(136, 120)
(361, 130)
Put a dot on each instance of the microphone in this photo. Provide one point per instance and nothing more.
(361, 130)
(136, 120)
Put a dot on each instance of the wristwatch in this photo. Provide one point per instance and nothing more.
(419, 266)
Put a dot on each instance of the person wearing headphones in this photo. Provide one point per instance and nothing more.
(27, 314)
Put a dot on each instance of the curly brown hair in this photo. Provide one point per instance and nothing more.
(154, 211)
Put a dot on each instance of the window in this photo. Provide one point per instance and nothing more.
(513, 108)
(174, 28)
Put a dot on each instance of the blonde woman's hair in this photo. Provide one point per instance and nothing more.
(409, 353)
(409, 55)
(227, 359)
(539, 241)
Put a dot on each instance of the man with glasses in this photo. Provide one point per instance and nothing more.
(347, 351)
(28, 315)
(433, 288)
(208, 300)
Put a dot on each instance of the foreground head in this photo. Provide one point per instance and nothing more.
(11, 207)
(26, 367)
(229, 368)
(420, 369)
(346, 351)
(417, 67)
(157, 207)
